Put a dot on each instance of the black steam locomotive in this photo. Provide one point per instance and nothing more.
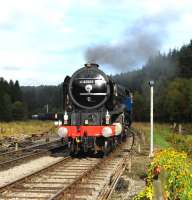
(94, 115)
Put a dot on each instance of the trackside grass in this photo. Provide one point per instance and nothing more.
(161, 132)
(24, 128)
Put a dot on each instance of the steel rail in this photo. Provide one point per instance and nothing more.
(106, 192)
(109, 188)
(29, 154)
(30, 147)
(30, 175)
(61, 192)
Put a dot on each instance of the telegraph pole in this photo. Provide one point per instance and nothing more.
(151, 84)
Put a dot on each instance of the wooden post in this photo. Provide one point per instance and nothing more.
(47, 138)
(139, 148)
(180, 129)
(129, 165)
(16, 146)
(158, 193)
(174, 125)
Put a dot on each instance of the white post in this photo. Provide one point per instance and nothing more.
(151, 83)
(47, 108)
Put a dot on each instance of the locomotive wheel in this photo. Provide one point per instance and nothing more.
(113, 144)
(85, 148)
(95, 146)
(120, 139)
(85, 145)
(124, 136)
(71, 147)
(106, 148)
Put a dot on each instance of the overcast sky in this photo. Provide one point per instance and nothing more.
(41, 41)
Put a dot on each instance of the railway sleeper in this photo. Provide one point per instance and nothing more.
(32, 190)
(14, 197)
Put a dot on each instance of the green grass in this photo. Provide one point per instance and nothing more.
(161, 131)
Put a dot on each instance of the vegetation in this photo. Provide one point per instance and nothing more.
(161, 133)
(175, 173)
(21, 129)
(11, 105)
(37, 98)
(173, 161)
(181, 142)
(166, 137)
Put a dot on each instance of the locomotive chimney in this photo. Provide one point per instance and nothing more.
(91, 65)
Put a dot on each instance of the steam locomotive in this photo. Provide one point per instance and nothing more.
(93, 118)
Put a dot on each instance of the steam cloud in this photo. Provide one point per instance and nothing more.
(143, 40)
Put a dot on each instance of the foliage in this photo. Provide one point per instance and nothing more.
(6, 108)
(185, 60)
(178, 100)
(19, 110)
(175, 173)
(138, 101)
(10, 93)
(36, 98)
(181, 142)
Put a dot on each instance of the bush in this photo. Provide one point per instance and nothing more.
(175, 175)
(181, 142)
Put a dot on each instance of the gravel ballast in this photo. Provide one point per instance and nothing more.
(17, 172)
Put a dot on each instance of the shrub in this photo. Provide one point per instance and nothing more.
(175, 175)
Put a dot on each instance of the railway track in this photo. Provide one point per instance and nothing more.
(8, 159)
(70, 178)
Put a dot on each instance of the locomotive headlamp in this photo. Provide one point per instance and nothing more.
(118, 128)
(107, 131)
(62, 132)
(107, 117)
(65, 117)
(88, 65)
(58, 123)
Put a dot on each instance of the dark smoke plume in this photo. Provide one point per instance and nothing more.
(142, 41)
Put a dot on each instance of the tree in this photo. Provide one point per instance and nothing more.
(185, 60)
(17, 92)
(7, 108)
(178, 100)
(19, 110)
